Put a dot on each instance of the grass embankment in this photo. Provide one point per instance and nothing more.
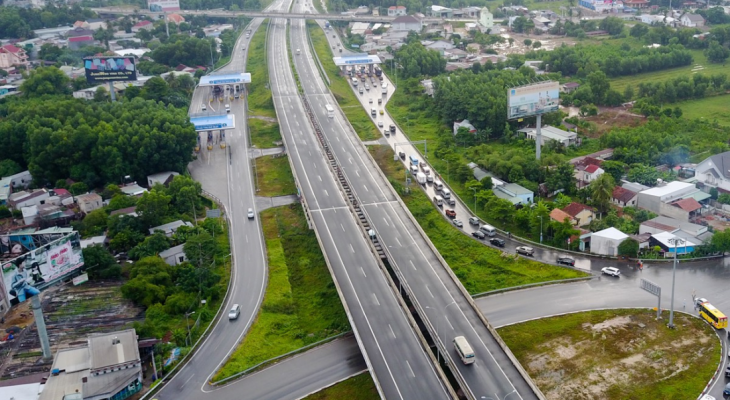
(616, 354)
(480, 268)
(700, 61)
(274, 176)
(301, 305)
(713, 108)
(360, 387)
(340, 87)
(264, 130)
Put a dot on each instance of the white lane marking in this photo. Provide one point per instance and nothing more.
(386, 221)
(449, 322)
(352, 249)
(397, 240)
(363, 272)
(413, 265)
(186, 381)
(343, 228)
(429, 292)
(376, 299)
(392, 332)
(366, 188)
(350, 160)
(409, 367)
(357, 173)
(320, 177)
(326, 193)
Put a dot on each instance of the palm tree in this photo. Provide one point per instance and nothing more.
(601, 191)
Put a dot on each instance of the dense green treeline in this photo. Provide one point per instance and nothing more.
(20, 22)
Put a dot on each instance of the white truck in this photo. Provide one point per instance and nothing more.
(426, 170)
(421, 178)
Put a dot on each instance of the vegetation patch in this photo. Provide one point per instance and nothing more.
(274, 176)
(259, 98)
(264, 133)
(359, 387)
(301, 305)
(340, 87)
(616, 354)
(712, 109)
(479, 268)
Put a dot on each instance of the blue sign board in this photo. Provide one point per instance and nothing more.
(227, 79)
(355, 46)
(358, 61)
(226, 121)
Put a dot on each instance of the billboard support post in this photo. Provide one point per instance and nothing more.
(533, 100)
(538, 136)
(40, 323)
(111, 91)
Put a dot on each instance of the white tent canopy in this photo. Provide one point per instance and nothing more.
(606, 242)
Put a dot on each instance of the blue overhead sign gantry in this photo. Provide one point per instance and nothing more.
(227, 79)
(212, 122)
(357, 59)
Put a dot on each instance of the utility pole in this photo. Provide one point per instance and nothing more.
(675, 241)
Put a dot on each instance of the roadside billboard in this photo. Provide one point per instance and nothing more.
(164, 5)
(534, 99)
(105, 69)
(38, 267)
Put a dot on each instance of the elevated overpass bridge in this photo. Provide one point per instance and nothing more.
(259, 14)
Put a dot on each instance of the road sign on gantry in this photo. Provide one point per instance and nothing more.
(227, 79)
(214, 122)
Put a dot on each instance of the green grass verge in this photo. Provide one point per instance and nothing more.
(301, 305)
(359, 387)
(264, 134)
(713, 108)
(634, 356)
(479, 268)
(340, 87)
(660, 76)
(222, 61)
(259, 95)
(274, 176)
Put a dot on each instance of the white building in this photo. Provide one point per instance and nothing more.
(691, 20)
(26, 199)
(551, 133)
(163, 178)
(486, 19)
(174, 255)
(396, 11)
(676, 199)
(89, 202)
(591, 173)
(21, 179)
(606, 242)
(407, 23)
(171, 228)
(714, 171)
(30, 214)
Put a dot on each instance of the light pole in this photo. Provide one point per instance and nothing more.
(448, 172)
(675, 241)
(475, 199)
(188, 325)
(438, 352)
(540, 216)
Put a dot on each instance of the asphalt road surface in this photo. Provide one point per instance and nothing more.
(493, 375)
(395, 356)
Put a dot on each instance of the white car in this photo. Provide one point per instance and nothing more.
(525, 251)
(250, 213)
(380, 124)
(611, 271)
(371, 101)
(701, 300)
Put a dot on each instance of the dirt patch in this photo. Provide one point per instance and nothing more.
(610, 118)
(616, 354)
(263, 118)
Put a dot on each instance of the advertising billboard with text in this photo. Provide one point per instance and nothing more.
(538, 98)
(105, 69)
(35, 268)
(164, 5)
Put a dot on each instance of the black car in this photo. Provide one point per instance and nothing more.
(566, 260)
(497, 242)
(479, 235)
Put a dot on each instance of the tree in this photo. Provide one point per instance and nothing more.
(724, 198)
(643, 174)
(100, 264)
(101, 95)
(200, 249)
(78, 188)
(537, 44)
(500, 209)
(45, 80)
(721, 241)
(561, 201)
(716, 52)
(527, 42)
(9, 167)
(486, 183)
(185, 193)
(5, 212)
(628, 248)
(599, 84)
(602, 191)
(149, 283)
(151, 246)
(639, 30)
(152, 207)
(94, 223)
(121, 201)
(612, 25)
(561, 177)
(616, 169)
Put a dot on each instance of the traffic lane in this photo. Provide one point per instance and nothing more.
(372, 306)
(300, 375)
(448, 311)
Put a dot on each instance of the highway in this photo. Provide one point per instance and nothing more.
(440, 298)
(400, 364)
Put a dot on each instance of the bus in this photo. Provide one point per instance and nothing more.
(464, 350)
(330, 111)
(414, 160)
(712, 315)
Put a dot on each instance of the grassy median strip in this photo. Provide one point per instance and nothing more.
(340, 87)
(616, 354)
(359, 387)
(274, 176)
(479, 268)
(262, 115)
(301, 305)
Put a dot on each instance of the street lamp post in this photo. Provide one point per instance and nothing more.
(676, 242)
(438, 352)
(540, 228)
(448, 172)
(188, 325)
(475, 199)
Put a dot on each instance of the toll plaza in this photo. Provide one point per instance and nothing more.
(362, 60)
(215, 126)
(232, 83)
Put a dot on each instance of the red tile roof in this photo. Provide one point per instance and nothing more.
(560, 215)
(10, 48)
(591, 168)
(574, 209)
(623, 195)
(141, 24)
(688, 205)
(80, 39)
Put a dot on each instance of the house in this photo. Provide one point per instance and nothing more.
(551, 133)
(642, 239)
(93, 241)
(176, 18)
(21, 179)
(79, 31)
(692, 20)
(26, 199)
(441, 12)
(8, 89)
(606, 242)
(396, 11)
(163, 178)
(6, 188)
(60, 197)
(569, 87)
(89, 202)
(464, 124)
(591, 173)
(133, 189)
(440, 46)
(595, 158)
(670, 243)
(623, 197)
(671, 225)
(633, 186)
(107, 366)
(171, 228)
(30, 214)
(559, 215)
(142, 25)
(714, 172)
(407, 23)
(665, 200)
(131, 211)
(486, 18)
(174, 255)
(514, 193)
(638, 4)
(77, 42)
(11, 56)
(582, 214)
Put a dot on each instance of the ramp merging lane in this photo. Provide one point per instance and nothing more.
(397, 360)
(441, 300)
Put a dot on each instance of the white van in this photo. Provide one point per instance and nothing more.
(438, 200)
(446, 193)
(414, 170)
(299, 52)
(488, 230)
(464, 349)
(235, 312)
(438, 184)
(228, 108)
(451, 201)
(204, 108)
(373, 112)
